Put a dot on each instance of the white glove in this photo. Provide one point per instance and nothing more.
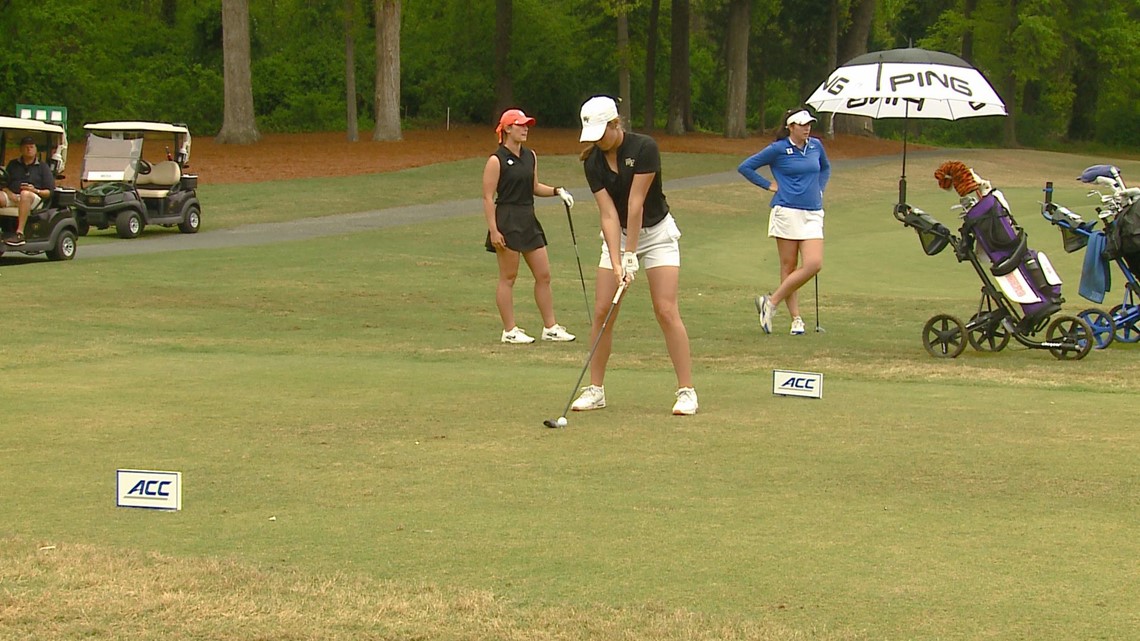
(629, 265)
(565, 196)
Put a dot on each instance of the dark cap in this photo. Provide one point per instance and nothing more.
(27, 140)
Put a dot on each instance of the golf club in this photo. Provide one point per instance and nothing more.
(817, 327)
(581, 277)
(561, 420)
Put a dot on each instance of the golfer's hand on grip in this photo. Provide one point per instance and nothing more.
(567, 197)
(629, 266)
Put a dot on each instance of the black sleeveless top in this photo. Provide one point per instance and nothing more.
(516, 177)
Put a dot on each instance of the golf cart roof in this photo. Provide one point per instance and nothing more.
(11, 123)
(137, 125)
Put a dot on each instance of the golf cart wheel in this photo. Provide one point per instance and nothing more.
(1126, 318)
(1103, 327)
(944, 336)
(1074, 335)
(129, 224)
(64, 246)
(986, 333)
(192, 222)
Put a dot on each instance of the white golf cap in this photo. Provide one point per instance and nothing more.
(597, 112)
(801, 117)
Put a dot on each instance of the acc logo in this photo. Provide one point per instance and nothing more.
(799, 382)
(792, 383)
(150, 488)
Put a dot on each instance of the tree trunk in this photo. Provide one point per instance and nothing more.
(239, 126)
(968, 7)
(624, 109)
(651, 66)
(387, 71)
(350, 70)
(736, 49)
(1010, 80)
(832, 56)
(854, 43)
(504, 91)
(680, 95)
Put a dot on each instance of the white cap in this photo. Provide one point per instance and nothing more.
(597, 112)
(801, 117)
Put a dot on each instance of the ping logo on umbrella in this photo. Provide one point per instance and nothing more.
(929, 78)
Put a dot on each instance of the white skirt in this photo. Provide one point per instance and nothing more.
(795, 224)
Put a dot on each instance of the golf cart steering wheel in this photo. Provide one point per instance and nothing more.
(142, 167)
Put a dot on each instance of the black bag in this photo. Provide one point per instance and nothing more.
(1122, 239)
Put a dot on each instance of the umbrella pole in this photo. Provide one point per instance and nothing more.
(902, 180)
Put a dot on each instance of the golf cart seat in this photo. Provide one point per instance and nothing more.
(162, 177)
(9, 211)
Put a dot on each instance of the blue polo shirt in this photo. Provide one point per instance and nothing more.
(801, 173)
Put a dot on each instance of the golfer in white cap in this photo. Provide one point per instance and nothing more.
(623, 170)
(800, 171)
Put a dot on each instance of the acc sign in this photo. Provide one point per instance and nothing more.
(149, 489)
(791, 383)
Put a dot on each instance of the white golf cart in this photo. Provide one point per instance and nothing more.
(51, 229)
(120, 186)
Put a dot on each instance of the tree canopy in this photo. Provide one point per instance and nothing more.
(1067, 69)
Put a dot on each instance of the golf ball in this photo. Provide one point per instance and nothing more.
(561, 421)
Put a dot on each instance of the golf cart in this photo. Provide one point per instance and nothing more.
(120, 187)
(51, 229)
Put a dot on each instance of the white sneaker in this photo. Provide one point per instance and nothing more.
(797, 326)
(766, 310)
(686, 404)
(593, 397)
(516, 336)
(557, 333)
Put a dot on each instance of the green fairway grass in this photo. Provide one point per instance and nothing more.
(363, 459)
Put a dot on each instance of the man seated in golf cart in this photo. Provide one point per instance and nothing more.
(29, 183)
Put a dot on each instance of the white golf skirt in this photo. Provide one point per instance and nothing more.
(795, 224)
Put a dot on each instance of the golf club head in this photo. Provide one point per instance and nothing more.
(551, 423)
(820, 330)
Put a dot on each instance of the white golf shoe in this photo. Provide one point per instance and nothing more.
(516, 336)
(766, 310)
(593, 397)
(797, 326)
(686, 404)
(557, 333)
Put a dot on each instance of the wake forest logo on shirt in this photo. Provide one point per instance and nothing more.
(629, 162)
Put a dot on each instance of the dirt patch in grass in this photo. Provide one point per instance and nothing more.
(289, 156)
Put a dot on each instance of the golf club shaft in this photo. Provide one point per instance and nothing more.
(816, 279)
(594, 347)
(581, 276)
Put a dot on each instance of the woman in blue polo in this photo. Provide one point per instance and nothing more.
(800, 171)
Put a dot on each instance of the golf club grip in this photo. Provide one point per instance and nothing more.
(570, 219)
(618, 293)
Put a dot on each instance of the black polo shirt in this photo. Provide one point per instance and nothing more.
(37, 173)
(516, 177)
(638, 154)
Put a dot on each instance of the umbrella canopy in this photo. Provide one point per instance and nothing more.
(908, 83)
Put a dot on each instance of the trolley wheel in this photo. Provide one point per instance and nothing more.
(1074, 335)
(1126, 318)
(987, 334)
(944, 336)
(1103, 327)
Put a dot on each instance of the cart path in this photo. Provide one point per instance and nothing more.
(342, 224)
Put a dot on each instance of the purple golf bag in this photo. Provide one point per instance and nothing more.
(1025, 275)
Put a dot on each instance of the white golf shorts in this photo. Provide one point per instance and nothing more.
(656, 246)
(795, 224)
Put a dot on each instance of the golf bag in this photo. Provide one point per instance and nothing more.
(1024, 275)
(1122, 238)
